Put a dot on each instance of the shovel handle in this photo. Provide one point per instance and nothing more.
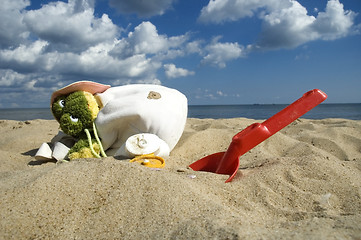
(295, 110)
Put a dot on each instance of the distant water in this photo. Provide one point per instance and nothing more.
(258, 111)
(23, 114)
(264, 111)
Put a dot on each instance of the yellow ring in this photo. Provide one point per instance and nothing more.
(153, 160)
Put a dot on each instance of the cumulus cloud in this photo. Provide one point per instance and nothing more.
(11, 78)
(217, 53)
(146, 40)
(32, 88)
(12, 29)
(44, 49)
(24, 58)
(291, 27)
(70, 26)
(194, 47)
(71, 40)
(142, 8)
(64, 42)
(335, 22)
(171, 71)
(93, 63)
(287, 27)
(285, 23)
(220, 11)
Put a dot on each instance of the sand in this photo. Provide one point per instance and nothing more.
(302, 183)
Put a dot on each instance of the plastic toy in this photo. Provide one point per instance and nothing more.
(138, 121)
(228, 162)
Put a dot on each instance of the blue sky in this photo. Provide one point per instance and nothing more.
(215, 52)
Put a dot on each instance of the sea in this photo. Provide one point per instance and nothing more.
(256, 111)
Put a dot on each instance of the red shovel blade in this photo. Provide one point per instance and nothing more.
(228, 162)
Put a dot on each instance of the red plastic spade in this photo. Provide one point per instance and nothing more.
(228, 162)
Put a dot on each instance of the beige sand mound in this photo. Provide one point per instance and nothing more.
(302, 183)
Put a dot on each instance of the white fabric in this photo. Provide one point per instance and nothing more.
(140, 108)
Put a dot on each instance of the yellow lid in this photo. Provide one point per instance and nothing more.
(149, 160)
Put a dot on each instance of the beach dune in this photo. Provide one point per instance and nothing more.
(302, 183)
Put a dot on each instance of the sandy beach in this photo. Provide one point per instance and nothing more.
(302, 183)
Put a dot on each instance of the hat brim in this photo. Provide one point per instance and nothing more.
(87, 86)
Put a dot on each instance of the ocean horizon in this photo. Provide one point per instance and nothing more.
(253, 111)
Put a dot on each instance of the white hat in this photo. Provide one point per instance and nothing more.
(87, 86)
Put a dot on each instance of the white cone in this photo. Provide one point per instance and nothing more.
(44, 152)
(60, 151)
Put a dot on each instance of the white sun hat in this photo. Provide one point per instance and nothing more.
(88, 86)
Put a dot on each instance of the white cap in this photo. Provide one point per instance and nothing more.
(143, 143)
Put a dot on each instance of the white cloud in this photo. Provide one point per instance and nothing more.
(146, 40)
(302, 56)
(12, 29)
(32, 88)
(142, 8)
(219, 11)
(66, 42)
(217, 54)
(24, 58)
(285, 23)
(207, 94)
(61, 42)
(171, 71)
(335, 22)
(291, 27)
(194, 47)
(70, 26)
(287, 27)
(72, 41)
(95, 62)
(221, 94)
(10, 78)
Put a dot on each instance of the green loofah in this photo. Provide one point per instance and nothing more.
(73, 113)
(57, 107)
(81, 149)
(82, 143)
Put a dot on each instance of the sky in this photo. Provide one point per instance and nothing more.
(215, 52)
